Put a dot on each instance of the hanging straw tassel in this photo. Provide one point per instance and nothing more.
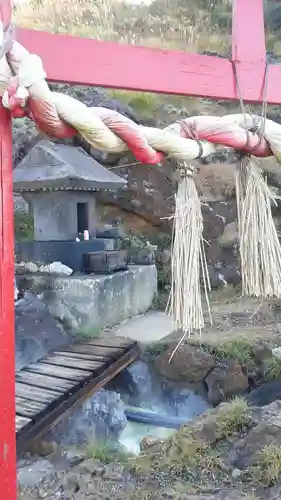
(259, 245)
(188, 258)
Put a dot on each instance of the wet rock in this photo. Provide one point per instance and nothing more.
(100, 417)
(225, 381)
(184, 401)
(189, 363)
(265, 394)
(37, 332)
(138, 380)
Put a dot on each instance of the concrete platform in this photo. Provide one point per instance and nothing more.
(89, 303)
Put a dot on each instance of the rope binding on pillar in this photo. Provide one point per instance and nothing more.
(25, 92)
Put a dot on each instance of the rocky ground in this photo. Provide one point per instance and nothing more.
(232, 452)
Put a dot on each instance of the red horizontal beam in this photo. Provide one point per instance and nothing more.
(90, 62)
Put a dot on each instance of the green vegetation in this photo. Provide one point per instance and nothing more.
(192, 26)
(24, 229)
(141, 102)
(160, 300)
(155, 348)
(234, 419)
(272, 370)
(87, 332)
(240, 349)
(106, 453)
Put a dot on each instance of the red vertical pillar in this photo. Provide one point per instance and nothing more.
(8, 489)
(248, 38)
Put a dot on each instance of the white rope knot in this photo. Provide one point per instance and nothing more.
(186, 170)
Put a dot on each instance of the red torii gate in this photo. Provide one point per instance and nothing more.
(69, 59)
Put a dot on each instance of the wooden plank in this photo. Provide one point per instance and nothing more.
(36, 393)
(88, 356)
(102, 352)
(28, 408)
(152, 70)
(34, 379)
(73, 362)
(247, 48)
(21, 422)
(61, 372)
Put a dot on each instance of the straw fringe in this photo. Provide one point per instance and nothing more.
(188, 258)
(259, 245)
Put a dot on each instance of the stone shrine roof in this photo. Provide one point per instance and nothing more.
(52, 166)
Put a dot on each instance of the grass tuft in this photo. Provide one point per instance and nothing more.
(87, 332)
(267, 470)
(106, 453)
(272, 369)
(240, 349)
(235, 417)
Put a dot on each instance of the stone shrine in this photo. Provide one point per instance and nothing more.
(58, 183)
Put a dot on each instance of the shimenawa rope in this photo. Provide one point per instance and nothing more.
(26, 93)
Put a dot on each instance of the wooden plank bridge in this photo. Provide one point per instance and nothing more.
(52, 386)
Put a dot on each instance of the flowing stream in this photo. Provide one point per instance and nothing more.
(141, 389)
(102, 419)
(136, 392)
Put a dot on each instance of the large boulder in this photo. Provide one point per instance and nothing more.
(101, 417)
(37, 332)
(225, 381)
(189, 363)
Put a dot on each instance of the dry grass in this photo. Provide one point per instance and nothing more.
(267, 470)
(164, 24)
(181, 456)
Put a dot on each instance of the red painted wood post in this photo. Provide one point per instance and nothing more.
(248, 43)
(248, 39)
(8, 488)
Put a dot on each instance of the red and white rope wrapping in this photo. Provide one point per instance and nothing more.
(26, 93)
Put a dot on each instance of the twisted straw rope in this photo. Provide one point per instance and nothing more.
(26, 93)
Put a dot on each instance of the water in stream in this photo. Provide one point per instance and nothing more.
(103, 415)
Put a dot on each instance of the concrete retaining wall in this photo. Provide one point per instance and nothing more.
(89, 303)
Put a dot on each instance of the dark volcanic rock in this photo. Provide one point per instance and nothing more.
(37, 332)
